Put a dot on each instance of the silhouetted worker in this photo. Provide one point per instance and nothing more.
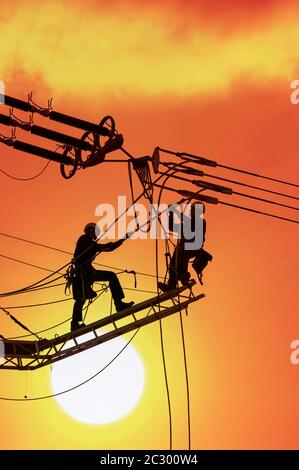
(85, 274)
(192, 237)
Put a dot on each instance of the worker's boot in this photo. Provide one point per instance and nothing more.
(120, 305)
(164, 287)
(76, 325)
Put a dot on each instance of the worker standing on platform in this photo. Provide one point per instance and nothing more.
(192, 232)
(85, 274)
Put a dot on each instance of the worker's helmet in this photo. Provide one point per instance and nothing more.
(90, 225)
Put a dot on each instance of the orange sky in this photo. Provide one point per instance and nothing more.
(212, 78)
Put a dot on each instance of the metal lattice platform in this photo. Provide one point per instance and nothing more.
(30, 355)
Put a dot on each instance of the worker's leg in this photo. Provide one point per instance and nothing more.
(178, 269)
(87, 282)
(77, 311)
(115, 287)
(114, 284)
(174, 269)
(183, 274)
(79, 299)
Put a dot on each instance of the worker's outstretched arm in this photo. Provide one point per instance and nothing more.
(113, 245)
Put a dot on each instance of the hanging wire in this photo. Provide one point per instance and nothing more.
(160, 323)
(55, 326)
(53, 395)
(167, 176)
(65, 300)
(42, 286)
(37, 283)
(43, 304)
(14, 237)
(15, 320)
(162, 339)
(187, 380)
(70, 299)
(31, 177)
(78, 385)
(29, 264)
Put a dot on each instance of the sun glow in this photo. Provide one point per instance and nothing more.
(108, 397)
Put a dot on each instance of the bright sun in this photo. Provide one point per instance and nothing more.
(109, 396)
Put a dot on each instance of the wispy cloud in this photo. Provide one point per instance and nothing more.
(76, 51)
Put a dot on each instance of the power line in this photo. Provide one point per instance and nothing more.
(78, 385)
(51, 327)
(39, 283)
(169, 175)
(161, 328)
(38, 305)
(29, 264)
(66, 300)
(205, 161)
(34, 285)
(100, 291)
(140, 290)
(66, 391)
(46, 269)
(214, 200)
(67, 264)
(226, 190)
(190, 170)
(182, 335)
(65, 252)
(257, 175)
(65, 321)
(277, 193)
(187, 380)
(259, 212)
(43, 286)
(31, 177)
(42, 331)
(14, 319)
(250, 196)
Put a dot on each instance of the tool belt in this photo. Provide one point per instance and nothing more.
(82, 281)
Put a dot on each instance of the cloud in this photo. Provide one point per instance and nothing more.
(99, 52)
